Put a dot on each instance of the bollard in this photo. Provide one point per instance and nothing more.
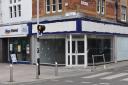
(93, 62)
(37, 74)
(11, 73)
(104, 61)
(38, 61)
(56, 69)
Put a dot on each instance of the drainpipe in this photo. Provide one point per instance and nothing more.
(116, 10)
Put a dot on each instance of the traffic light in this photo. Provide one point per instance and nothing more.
(40, 28)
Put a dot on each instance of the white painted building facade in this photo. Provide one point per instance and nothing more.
(16, 11)
(14, 29)
(81, 39)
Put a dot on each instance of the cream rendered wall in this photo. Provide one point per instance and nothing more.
(26, 11)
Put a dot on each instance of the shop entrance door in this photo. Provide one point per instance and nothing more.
(77, 56)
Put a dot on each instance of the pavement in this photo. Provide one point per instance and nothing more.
(27, 72)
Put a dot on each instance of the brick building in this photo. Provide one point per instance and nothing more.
(75, 30)
(78, 29)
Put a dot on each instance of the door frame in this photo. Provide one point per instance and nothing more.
(69, 55)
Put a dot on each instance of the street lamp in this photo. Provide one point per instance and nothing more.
(40, 29)
(37, 46)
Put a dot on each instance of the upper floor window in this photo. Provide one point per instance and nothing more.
(15, 14)
(14, 1)
(59, 5)
(123, 13)
(53, 6)
(10, 1)
(14, 8)
(47, 6)
(19, 10)
(100, 6)
(11, 14)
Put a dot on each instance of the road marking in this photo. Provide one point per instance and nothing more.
(126, 79)
(55, 80)
(94, 84)
(115, 76)
(86, 82)
(104, 83)
(68, 81)
(97, 75)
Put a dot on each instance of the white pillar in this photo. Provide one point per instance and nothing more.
(70, 49)
(115, 49)
(85, 51)
(66, 51)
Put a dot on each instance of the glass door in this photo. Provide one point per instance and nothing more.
(77, 55)
(80, 52)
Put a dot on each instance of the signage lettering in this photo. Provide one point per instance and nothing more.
(10, 30)
(14, 30)
(84, 2)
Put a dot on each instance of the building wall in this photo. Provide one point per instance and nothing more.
(88, 9)
(1, 51)
(0, 12)
(110, 9)
(122, 48)
(120, 4)
(26, 11)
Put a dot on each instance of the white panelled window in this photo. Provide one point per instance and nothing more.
(47, 6)
(53, 6)
(15, 8)
(15, 14)
(10, 1)
(123, 13)
(14, 1)
(59, 5)
(100, 6)
(11, 14)
(19, 10)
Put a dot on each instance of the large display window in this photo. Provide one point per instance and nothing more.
(20, 47)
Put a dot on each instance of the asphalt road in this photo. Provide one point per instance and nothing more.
(117, 76)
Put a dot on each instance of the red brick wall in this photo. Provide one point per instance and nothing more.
(110, 9)
(89, 9)
(75, 5)
(33, 8)
(41, 6)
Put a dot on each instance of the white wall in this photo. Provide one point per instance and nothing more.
(122, 48)
(0, 13)
(57, 27)
(101, 27)
(26, 11)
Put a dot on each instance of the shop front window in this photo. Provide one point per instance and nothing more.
(21, 48)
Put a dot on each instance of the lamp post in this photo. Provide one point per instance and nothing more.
(37, 46)
(40, 30)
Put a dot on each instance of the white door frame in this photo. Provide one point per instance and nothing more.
(70, 54)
